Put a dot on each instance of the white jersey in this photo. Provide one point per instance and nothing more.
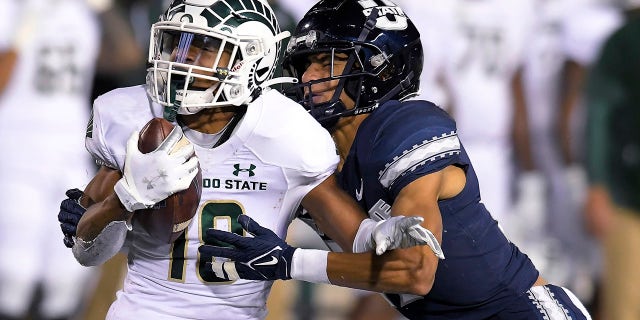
(587, 28)
(298, 7)
(47, 100)
(427, 16)
(544, 62)
(44, 110)
(486, 44)
(275, 156)
(564, 29)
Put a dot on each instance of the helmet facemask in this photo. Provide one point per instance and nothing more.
(192, 70)
(196, 62)
(350, 79)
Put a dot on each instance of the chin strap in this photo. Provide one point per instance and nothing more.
(403, 85)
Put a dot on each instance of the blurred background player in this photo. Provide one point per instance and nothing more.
(613, 142)
(432, 20)
(297, 8)
(482, 76)
(48, 52)
(565, 39)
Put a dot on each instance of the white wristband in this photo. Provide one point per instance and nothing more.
(310, 265)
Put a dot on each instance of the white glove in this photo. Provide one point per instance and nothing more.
(393, 233)
(152, 177)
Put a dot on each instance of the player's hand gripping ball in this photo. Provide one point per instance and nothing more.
(167, 219)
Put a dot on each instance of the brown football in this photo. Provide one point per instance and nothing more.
(168, 219)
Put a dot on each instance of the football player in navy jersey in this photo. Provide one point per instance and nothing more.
(358, 64)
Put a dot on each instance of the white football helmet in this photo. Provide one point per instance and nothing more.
(212, 53)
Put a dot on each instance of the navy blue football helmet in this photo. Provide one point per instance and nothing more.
(383, 48)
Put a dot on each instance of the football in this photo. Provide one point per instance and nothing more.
(167, 219)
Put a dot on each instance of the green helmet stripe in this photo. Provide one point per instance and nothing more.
(212, 18)
(237, 5)
(248, 4)
(221, 9)
(259, 17)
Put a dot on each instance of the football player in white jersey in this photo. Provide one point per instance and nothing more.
(433, 15)
(261, 155)
(47, 56)
(566, 37)
(481, 70)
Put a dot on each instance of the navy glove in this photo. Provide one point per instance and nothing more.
(70, 213)
(263, 257)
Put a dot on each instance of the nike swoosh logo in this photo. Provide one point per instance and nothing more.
(268, 263)
(359, 192)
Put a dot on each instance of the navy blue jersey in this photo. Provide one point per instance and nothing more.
(403, 141)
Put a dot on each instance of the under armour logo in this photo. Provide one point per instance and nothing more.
(249, 170)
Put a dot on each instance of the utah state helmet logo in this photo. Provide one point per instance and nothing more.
(390, 16)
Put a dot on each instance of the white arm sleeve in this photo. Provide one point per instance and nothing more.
(103, 247)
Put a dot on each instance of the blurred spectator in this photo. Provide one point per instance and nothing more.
(613, 140)
(47, 57)
(297, 8)
(287, 22)
(124, 42)
(434, 46)
(566, 36)
(482, 66)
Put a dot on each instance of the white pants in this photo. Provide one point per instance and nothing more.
(31, 241)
